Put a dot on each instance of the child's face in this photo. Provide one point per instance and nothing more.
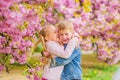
(65, 36)
(52, 35)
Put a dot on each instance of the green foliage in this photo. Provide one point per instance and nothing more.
(5, 60)
(39, 48)
(96, 70)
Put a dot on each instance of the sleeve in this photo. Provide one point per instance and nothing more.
(62, 61)
(58, 50)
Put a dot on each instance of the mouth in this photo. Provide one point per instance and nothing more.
(65, 41)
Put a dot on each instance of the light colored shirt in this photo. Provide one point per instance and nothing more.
(116, 75)
(53, 73)
(58, 50)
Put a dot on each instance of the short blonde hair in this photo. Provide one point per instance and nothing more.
(65, 25)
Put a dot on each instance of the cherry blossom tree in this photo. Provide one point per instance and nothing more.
(96, 21)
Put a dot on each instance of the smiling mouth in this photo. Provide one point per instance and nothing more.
(65, 40)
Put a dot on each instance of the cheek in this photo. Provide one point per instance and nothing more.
(69, 36)
(60, 37)
(54, 35)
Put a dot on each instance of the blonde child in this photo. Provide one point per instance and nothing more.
(72, 65)
(52, 45)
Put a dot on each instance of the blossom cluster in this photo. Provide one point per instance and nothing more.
(18, 26)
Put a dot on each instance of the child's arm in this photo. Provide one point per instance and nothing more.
(62, 61)
(58, 50)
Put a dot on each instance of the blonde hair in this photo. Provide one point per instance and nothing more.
(45, 30)
(42, 35)
(65, 25)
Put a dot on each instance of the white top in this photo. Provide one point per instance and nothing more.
(58, 50)
(116, 76)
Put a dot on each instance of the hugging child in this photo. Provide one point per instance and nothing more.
(72, 66)
(51, 42)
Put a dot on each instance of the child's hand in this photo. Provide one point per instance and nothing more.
(53, 56)
(77, 40)
(76, 34)
(46, 54)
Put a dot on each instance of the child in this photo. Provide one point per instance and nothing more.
(72, 67)
(116, 76)
(52, 45)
